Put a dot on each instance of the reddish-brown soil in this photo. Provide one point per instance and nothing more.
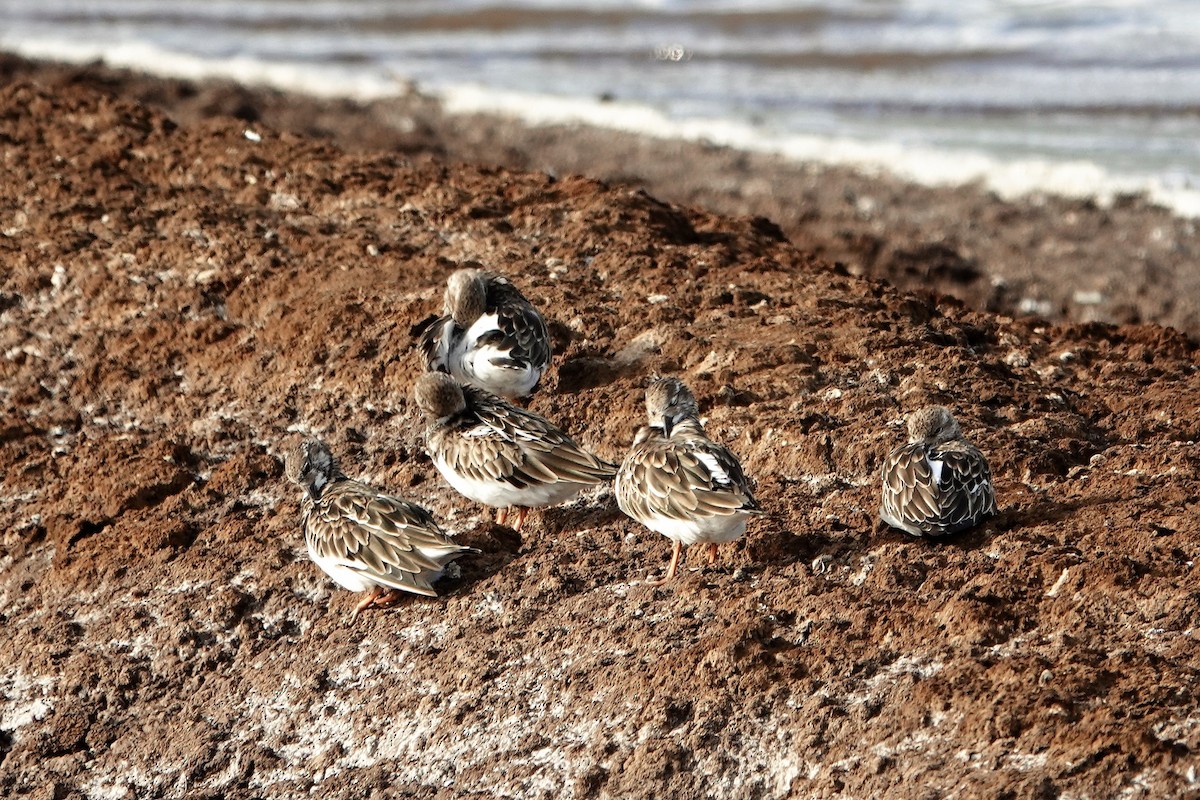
(176, 301)
(1046, 256)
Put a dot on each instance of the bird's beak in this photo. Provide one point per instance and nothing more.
(668, 423)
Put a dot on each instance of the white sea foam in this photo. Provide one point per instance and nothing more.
(918, 161)
(928, 166)
(318, 80)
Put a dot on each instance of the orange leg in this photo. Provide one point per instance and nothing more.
(671, 569)
(712, 554)
(392, 597)
(522, 513)
(369, 600)
(501, 515)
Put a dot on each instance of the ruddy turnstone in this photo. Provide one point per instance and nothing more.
(364, 540)
(680, 483)
(497, 454)
(938, 483)
(490, 336)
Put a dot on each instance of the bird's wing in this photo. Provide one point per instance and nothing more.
(937, 490)
(683, 480)
(503, 442)
(520, 329)
(392, 540)
(435, 343)
(966, 491)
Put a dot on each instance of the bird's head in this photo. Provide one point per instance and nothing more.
(438, 395)
(466, 296)
(669, 402)
(311, 465)
(933, 424)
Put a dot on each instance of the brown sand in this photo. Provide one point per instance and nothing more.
(174, 300)
(1044, 256)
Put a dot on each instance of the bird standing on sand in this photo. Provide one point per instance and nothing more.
(364, 540)
(680, 483)
(938, 483)
(497, 454)
(490, 336)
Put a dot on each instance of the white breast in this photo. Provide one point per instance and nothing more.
(477, 364)
(501, 495)
(345, 577)
(709, 530)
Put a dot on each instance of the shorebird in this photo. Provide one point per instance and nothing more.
(490, 336)
(364, 540)
(678, 482)
(497, 454)
(937, 483)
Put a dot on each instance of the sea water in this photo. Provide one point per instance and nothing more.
(1077, 97)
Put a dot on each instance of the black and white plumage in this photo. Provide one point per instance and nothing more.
(678, 482)
(497, 454)
(489, 336)
(938, 483)
(364, 540)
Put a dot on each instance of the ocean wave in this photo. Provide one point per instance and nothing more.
(1177, 190)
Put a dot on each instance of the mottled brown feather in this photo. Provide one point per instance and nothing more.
(667, 477)
(380, 535)
(961, 499)
(521, 329)
(494, 440)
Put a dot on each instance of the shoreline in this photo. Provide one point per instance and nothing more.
(1013, 178)
(1042, 255)
(181, 299)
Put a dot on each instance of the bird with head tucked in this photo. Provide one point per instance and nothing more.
(497, 454)
(937, 483)
(680, 483)
(366, 541)
(489, 336)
